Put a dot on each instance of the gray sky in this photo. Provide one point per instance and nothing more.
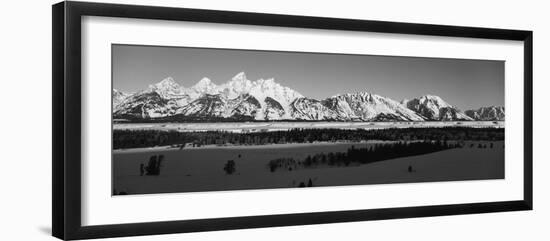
(466, 84)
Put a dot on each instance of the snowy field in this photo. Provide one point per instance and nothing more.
(275, 126)
(201, 169)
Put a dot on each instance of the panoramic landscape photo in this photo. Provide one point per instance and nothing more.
(201, 119)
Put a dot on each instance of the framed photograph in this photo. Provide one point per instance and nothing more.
(169, 120)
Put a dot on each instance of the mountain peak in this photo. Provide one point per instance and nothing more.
(168, 81)
(165, 84)
(364, 93)
(434, 107)
(489, 113)
(204, 81)
(438, 101)
(430, 97)
(241, 76)
(238, 85)
(205, 85)
(361, 94)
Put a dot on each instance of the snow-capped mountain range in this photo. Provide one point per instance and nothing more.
(434, 108)
(241, 99)
(487, 113)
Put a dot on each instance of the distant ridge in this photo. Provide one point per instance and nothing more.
(490, 113)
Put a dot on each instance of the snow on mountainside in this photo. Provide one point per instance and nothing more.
(237, 86)
(203, 87)
(205, 106)
(167, 88)
(240, 85)
(170, 90)
(245, 107)
(273, 109)
(311, 109)
(145, 105)
(241, 99)
(118, 97)
(491, 113)
(434, 108)
(353, 107)
(272, 99)
(260, 89)
(365, 106)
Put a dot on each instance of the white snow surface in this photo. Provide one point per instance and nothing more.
(433, 107)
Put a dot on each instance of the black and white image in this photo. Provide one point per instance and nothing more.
(202, 119)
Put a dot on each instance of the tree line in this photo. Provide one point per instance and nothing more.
(358, 156)
(151, 138)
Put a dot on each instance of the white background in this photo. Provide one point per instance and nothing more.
(25, 176)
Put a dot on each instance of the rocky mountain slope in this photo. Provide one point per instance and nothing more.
(435, 109)
(240, 99)
(491, 113)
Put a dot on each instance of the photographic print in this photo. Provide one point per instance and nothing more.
(203, 119)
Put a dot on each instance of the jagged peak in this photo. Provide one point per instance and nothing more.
(205, 82)
(166, 83)
(431, 97)
(239, 80)
(270, 81)
(362, 94)
(120, 93)
(489, 107)
(435, 100)
(241, 76)
(367, 94)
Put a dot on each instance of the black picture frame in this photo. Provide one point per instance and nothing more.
(66, 127)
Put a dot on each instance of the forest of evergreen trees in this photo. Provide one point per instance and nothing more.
(150, 138)
(358, 156)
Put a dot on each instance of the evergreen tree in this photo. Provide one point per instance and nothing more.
(229, 167)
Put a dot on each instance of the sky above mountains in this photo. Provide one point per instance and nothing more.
(466, 84)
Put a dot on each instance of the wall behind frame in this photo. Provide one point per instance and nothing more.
(26, 118)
